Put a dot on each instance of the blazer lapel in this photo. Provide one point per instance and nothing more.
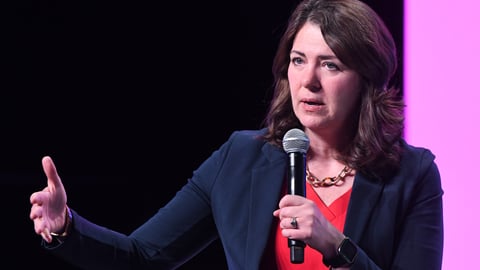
(266, 187)
(365, 195)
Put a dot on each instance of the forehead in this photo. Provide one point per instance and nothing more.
(309, 39)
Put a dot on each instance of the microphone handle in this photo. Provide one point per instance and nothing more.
(296, 186)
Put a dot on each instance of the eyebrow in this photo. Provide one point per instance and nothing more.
(323, 57)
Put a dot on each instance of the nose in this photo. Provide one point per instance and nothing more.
(311, 78)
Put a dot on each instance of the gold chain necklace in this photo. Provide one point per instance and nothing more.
(328, 181)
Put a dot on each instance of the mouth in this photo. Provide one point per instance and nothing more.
(313, 105)
(313, 102)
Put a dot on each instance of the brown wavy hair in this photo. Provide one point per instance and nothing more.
(361, 40)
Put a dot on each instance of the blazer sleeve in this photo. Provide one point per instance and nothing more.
(177, 232)
(420, 238)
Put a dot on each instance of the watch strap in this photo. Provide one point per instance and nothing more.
(346, 254)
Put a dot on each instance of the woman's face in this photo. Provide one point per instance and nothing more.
(324, 91)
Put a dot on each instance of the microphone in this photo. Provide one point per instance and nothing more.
(295, 144)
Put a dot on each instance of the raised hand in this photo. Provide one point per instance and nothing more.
(49, 205)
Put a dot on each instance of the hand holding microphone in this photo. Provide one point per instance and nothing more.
(295, 144)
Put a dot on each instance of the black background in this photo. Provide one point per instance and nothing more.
(128, 97)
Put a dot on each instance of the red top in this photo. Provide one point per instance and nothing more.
(335, 213)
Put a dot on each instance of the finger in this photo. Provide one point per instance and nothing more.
(35, 212)
(46, 235)
(283, 213)
(41, 228)
(291, 200)
(289, 223)
(39, 197)
(51, 172)
(34, 198)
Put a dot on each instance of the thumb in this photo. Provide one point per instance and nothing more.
(51, 172)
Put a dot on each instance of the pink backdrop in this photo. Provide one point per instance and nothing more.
(442, 90)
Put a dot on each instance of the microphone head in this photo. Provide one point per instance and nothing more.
(295, 140)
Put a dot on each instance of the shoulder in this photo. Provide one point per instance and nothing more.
(419, 163)
(250, 142)
(241, 150)
(247, 137)
(416, 155)
(249, 133)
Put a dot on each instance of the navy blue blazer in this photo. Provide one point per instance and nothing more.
(397, 223)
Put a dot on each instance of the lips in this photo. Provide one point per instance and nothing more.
(313, 102)
(312, 105)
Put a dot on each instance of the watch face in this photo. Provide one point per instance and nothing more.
(346, 254)
(348, 250)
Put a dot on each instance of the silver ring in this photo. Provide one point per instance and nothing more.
(294, 223)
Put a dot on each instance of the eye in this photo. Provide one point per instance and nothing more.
(297, 61)
(330, 66)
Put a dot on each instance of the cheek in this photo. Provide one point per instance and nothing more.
(293, 78)
(293, 87)
(351, 86)
(350, 100)
(348, 94)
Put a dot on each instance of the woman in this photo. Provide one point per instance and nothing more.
(372, 201)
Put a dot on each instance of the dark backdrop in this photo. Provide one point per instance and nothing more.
(128, 98)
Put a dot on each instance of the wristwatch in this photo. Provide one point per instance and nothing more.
(346, 254)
